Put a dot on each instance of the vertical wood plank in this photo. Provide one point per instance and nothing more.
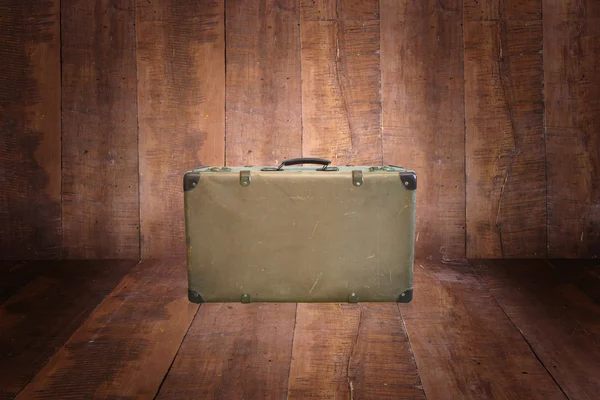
(181, 96)
(234, 351)
(572, 90)
(561, 323)
(263, 82)
(505, 150)
(30, 154)
(341, 81)
(464, 344)
(352, 351)
(40, 316)
(125, 348)
(99, 139)
(423, 115)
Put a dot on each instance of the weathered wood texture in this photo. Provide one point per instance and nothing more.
(234, 351)
(561, 323)
(126, 346)
(99, 135)
(464, 344)
(14, 275)
(505, 150)
(572, 90)
(30, 212)
(41, 316)
(352, 351)
(423, 115)
(585, 274)
(341, 81)
(181, 97)
(263, 82)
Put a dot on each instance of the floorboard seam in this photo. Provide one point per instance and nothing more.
(287, 389)
(519, 330)
(176, 354)
(412, 353)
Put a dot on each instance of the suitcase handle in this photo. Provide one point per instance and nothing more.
(304, 160)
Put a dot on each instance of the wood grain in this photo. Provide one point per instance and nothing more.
(561, 323)
(352, 351)
(41, 316)
(505, 150)
(264, 109)
(126, 346)
(572, 95)
(181, 98)
(464, 344)
(423, 115)
(585, 274)
(16, 274)
(234, 351)
(99, 136)
(340, 10)
(30, 154)
(341, 83)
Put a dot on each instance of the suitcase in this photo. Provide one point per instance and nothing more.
(300, 233)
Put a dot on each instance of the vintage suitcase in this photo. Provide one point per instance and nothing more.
(300, 234)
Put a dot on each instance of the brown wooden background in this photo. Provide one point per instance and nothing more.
(104, 104)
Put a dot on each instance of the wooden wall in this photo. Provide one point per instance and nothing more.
(495, 104)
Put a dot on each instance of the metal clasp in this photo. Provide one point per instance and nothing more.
(357, 178)
(245, 178)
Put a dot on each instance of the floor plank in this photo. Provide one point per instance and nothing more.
(41, 316)
(352, 351)
(100, 130)
(30, 129)
(560, 322)
(464, 344)
(505, 149)
(263, 88)
(423, 115)
(14, 275)
(126, 346)
(585, 274)
(181, 98)
(234, 351)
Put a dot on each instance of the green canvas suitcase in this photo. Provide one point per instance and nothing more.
(300, 233)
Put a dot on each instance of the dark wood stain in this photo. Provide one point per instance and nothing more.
(30, 212)
(423, 115)
(234, 351)
(506, 176)
(585, 274)
(464, 344)
(52, 305)
(181, 96)
(263, 87)
(352, 351)
(99, 137)
(572, 90)
(125, 348)
(561, 323)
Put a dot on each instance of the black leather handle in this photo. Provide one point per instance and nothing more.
(304, 160)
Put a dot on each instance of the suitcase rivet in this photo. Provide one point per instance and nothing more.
(246, 298)
(353, 298)
(406, 183)
(357, 178)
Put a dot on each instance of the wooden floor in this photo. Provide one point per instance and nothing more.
(125, 330)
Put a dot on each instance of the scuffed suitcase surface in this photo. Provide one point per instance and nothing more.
(299, 235)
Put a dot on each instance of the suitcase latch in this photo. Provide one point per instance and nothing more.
(357, 178)
(245, 178)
